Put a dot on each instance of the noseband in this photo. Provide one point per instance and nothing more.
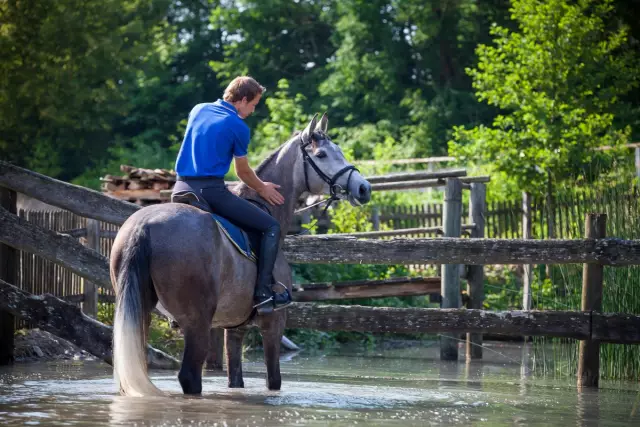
(335, 190)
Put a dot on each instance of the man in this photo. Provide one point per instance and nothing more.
(216, 134)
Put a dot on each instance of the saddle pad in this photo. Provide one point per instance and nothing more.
(236, 235)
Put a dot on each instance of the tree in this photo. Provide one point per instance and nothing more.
(66, 69)
(273, 40)
(558, 80)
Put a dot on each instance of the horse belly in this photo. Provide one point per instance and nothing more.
(235, 298)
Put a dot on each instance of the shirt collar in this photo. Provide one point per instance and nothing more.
(224, 104)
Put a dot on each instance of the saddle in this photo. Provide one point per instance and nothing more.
(247, 243)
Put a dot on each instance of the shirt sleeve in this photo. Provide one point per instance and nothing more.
(241, 144)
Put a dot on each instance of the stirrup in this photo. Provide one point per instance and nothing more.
(275, 302)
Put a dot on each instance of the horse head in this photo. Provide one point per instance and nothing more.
(326, 169)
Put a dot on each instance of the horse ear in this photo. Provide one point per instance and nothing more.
(324, 123)
(306, 133)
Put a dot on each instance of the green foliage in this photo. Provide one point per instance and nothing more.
(286, 115)
(346, 219)
(273, 39)
(64, 77)
(164, 338)
(558, 80)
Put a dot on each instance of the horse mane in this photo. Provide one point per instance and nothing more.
(242, 188)
(270, 158)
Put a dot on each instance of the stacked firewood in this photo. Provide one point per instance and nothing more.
(139, 179)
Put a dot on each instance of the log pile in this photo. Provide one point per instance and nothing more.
(139, 185)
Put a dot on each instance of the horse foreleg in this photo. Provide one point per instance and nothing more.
(272, 331)
(196, 344)
(233, 341)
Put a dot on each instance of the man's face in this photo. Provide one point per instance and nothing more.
(246, 108)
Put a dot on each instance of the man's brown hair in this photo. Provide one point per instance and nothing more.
(243, 86)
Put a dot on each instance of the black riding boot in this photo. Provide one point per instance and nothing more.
(267, 299)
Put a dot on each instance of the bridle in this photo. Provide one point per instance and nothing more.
(336, 191)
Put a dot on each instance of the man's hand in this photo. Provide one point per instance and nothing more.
(270, 193)
(266, 190)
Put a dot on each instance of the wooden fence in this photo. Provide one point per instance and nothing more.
(560, 217)
(502, 220)
(588, 324)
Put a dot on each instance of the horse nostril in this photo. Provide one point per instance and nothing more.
(364, 192)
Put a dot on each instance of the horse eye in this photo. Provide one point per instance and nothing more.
(321, 154)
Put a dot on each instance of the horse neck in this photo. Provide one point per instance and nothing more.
(285, 169)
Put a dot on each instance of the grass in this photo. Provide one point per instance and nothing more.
(563, 289)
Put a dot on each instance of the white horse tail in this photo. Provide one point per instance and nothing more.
(133, 282)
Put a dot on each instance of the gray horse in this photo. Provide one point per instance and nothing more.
(174, 256)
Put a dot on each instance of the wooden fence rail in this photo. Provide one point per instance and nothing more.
(581, 325)
(91, 265)
(79, 200)
(344, 250)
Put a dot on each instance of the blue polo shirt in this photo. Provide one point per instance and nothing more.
(214, 135)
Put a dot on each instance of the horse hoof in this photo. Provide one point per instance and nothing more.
(274, 385)
(239, 384)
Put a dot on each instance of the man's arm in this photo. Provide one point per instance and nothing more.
(267, 190)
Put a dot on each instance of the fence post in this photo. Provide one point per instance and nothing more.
(638, 162)
(90, 290)
(526, 234)
(8, 273)
(450, 288)
(475, 273)
(592, 278)
(375, 218)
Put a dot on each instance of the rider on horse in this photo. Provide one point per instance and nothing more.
(216, 134)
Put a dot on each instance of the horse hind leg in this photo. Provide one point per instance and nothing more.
(216, 349)
(272, 331)
(233, 341)
(196, 345)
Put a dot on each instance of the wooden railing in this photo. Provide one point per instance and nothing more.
(587, 324)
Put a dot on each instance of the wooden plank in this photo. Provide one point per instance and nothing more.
(61, 249)
(615, 328)
(475, 273)
(405, 161)
(90, 290)
(67, 321)
(424, 183)
(369, 289)
(78, 298)
(314, 291)
(595, 226)
(80, 200)
(375, 218)
(75, 232)
(413, 176)
(141, 194)
(432, 320)
(108, 234)
(398, 232)
(9, 272)
(322, 249)
(450, 272)
(609, 147)
(527, 276)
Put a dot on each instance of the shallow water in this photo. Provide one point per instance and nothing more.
(396, 387)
